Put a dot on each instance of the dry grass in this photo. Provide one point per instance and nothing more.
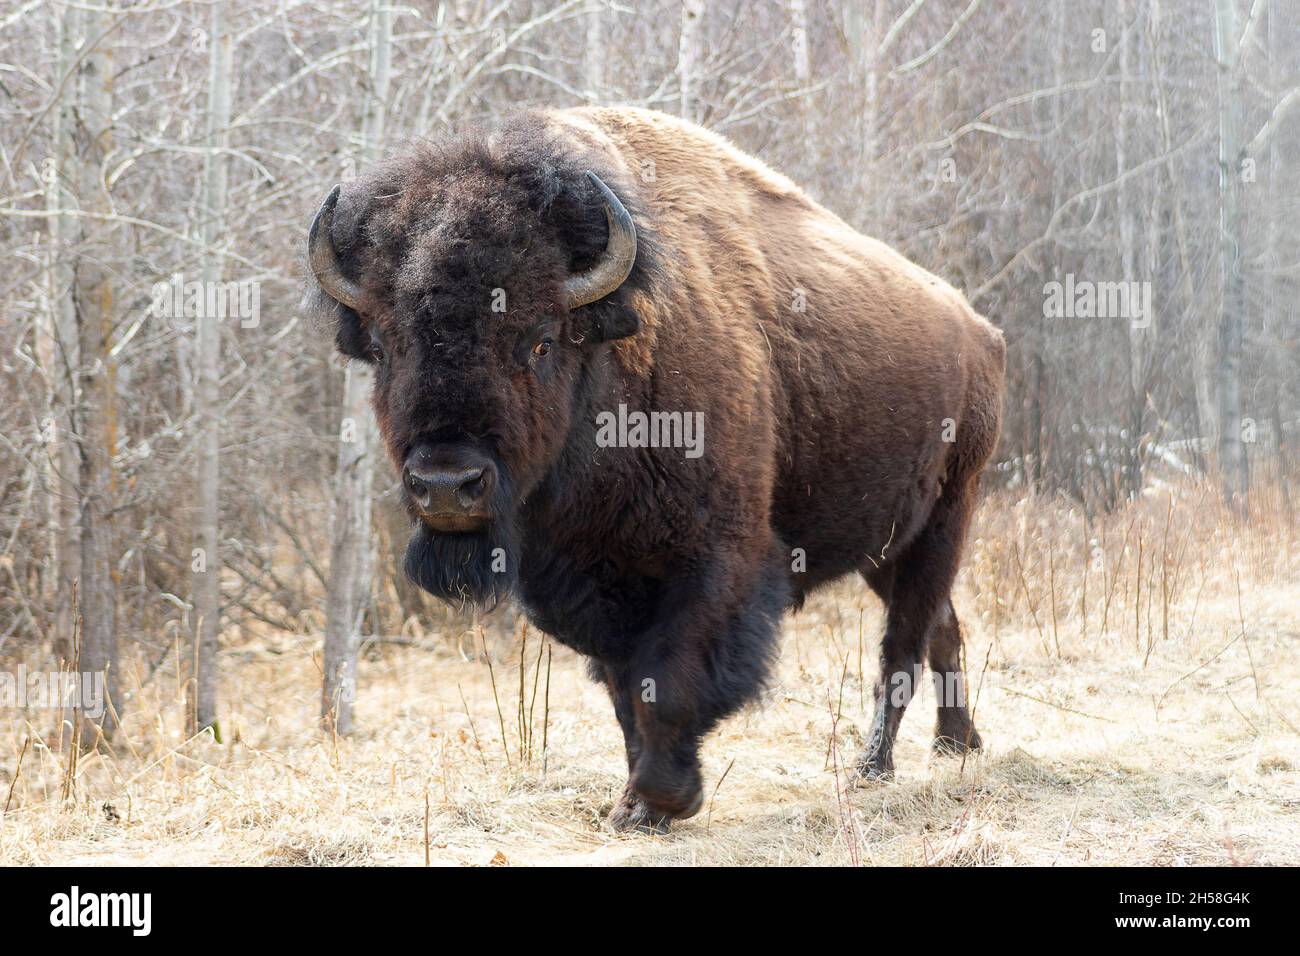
(1135, 682)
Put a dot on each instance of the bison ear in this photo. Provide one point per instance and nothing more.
(602, 239)
(350, 336)
(613, 321)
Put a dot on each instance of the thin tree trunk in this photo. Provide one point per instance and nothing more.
(1126, 201)
(1275, 304)
(95, 414)
(351, 545)
(1232, 451)
(206, 558)
(61, 354)
(1202, 405)
(863, 29)
(1129, 480)
(801, 54)
(689, 54)
(594, 53)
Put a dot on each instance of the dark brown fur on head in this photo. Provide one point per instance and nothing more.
(461, 251)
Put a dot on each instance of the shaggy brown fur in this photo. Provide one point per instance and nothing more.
(849, 398)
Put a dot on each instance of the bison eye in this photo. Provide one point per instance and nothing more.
(376, 351)
(542, 347)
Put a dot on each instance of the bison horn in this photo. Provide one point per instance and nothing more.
(324, 260)
(615, 263)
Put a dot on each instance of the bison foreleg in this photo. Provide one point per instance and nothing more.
(631, 812)
(660, 691)
(702, 662)
(663, 765)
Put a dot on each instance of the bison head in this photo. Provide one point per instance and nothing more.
(462, 277)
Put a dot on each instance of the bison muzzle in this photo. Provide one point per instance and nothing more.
(512, 288)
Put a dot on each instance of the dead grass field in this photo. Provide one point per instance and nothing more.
(1135, 683)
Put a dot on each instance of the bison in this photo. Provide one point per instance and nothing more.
(515, 287)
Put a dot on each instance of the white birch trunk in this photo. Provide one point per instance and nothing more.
(593, 57)
(801, 58)
(863, 32)
(206, 557)
(351, 546)
(689, 54)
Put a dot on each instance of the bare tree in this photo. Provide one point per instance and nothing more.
(206, 557)
(61, 350)
(690, 51)
(594, 49)
(95, 401)
(1232, 298)
(862, 28)
(351, 555)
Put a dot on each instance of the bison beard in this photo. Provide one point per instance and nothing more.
(847, 433)
(472, 567)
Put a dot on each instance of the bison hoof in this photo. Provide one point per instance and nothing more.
(956, 738)
(632, 814)
(874, 767)
(654, 813)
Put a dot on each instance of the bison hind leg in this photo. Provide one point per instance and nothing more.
(919, 623)
(955, 732)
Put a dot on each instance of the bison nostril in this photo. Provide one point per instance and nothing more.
(416, 485)
(473, 486)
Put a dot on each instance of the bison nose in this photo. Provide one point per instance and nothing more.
(448, 484)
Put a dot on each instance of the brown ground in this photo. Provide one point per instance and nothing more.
(1166, 736)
